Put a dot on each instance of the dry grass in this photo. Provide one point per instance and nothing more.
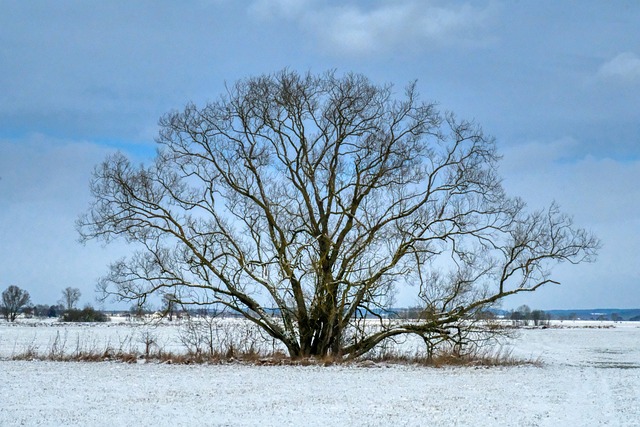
(489, 356)
(485, 358)
(199, 348)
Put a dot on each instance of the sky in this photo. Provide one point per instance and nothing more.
(557, 83)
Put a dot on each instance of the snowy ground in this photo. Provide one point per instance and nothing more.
(590, 376)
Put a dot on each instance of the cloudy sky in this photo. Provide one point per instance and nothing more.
(556, 82)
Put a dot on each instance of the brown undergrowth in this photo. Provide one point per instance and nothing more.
(480, 358)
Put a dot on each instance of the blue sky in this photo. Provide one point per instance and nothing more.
(556, 82)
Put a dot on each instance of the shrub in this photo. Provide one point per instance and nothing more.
(87, 314)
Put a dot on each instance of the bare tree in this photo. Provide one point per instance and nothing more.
(302, 202)
(70, 297)
(539, 317)
(13, 299)
(169, 302)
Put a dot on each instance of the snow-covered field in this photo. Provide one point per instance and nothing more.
(590, 376)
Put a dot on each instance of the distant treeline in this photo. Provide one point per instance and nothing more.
(597, 314)
(616, 315)
(524, 314)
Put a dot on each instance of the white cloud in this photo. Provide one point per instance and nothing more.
(624, 67)
(351, 29)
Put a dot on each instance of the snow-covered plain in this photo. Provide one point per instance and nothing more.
(589, 376)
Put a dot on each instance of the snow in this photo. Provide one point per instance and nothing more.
(589, 376)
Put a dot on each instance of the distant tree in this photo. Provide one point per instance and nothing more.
(40, 310)
(13, 299)
(55, 310)
(169, 302)
(525, 311)
(321, 196)
(138, 310)
(485, 315)
(206, 312)
(45, 310)
(521, 315)
(28, 311)
(70, 297)
(539, 317)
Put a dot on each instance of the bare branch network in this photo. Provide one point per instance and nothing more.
(304, 202)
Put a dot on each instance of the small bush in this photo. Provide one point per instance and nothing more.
(87, 314)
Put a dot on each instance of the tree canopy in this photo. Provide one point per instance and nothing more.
(70, 297)
(304, 202)
(13, 299)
